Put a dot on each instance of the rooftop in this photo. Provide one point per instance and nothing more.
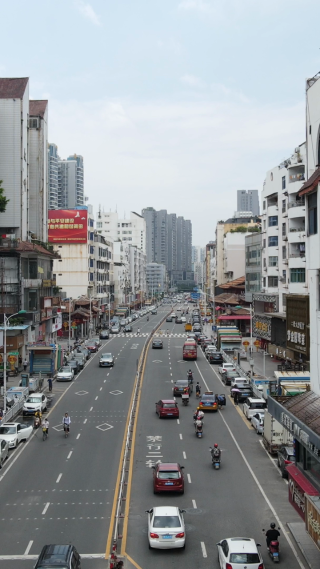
(37, 108)
(13, 88)
(306, 407)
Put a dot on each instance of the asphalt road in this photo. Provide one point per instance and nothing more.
(61, 490)
(239, 500)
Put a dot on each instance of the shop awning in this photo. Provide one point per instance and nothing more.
(301, 480)
(234, 317)
(20, 327)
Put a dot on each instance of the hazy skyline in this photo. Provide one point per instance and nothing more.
(173, 104)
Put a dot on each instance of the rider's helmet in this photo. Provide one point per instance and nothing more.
(215, 445)
(273, 525)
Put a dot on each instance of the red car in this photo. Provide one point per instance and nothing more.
(168, 477)
(167, 408)
(92, 347)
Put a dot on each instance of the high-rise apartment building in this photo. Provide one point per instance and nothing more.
(130, 231)
(38, 169)
(70, 182)
(53, 176)
(169, 242)
(248, 200)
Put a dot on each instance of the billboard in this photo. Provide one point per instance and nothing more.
(298, 323)
(68, 225)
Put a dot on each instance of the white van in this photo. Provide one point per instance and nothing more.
(252, 406)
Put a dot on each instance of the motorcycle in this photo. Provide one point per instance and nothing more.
(274, 549)
(216, 458)
(36, 423)
(198, 425)
(190, 377)
(185, 399)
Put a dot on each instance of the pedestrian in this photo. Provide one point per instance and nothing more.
(236, 398)
(50, 383)
(20, 361)
(25, 364)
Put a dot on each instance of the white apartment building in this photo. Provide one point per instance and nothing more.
(38, 169)
(53, 176)
(71, 182)
(156, 279)
(283, 231)
(137, 269)
(130, 231)
(234, 255)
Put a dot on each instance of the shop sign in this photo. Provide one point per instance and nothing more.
(299, 434)
(297, 324)
(262, 327)
(296, 497)
(46, 283)
(313, 519)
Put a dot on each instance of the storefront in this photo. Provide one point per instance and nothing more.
(43, 357)
(261, 329)
(298, 320)
(298, 486)
(313, 518)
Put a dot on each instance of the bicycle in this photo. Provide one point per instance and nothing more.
(44, 433)
(66, 430)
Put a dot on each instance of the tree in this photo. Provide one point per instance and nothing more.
(3, 200)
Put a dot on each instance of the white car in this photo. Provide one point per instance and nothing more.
(209, 349)
(166, 529)
(15, 432)
(257, 421)
(4, 451)
(173, 315)
(35, 402)
(239, 381)
(225, 366)
(239, 553)
(65, 373)
(252, 405)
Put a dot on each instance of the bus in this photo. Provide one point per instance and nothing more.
(189, 351)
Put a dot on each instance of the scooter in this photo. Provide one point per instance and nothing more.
(36, 423)
(274, 550)
(216, 458)
(190, 377)
(185, 399)
(198, 428)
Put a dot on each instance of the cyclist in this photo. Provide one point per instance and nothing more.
(45, 425)
(66, 422)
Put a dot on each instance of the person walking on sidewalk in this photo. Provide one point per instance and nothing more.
(50, 383)
(25, 364)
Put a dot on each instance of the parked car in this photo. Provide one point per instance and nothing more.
(127, 328)
(168, 477)
(104, 335)
(167, 408)
(244, 392)
(65, 373)
(228, 375)
(35, 402)
(180, 385)
(239, 552)
(96, 340)
(115, 329)
(4, 451)
(84, 350)
(285, 457)
(235, 381)
(106, 360)
(166, 529)
(206, 343)
(157, 343)
(257, 421)
(169, 319)
(62, 556)
(81, 359)
(252, 406)
(215, 358)
(91, 346)
(123, 322)
(209, 349)
(75, 366)
(14, 433)
(226, 366)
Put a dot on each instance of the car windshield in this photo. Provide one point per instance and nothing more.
(258, 406)
(106, 356)
(208, 398)
(244, 558)
(7, 430)
(168, 475)
(166, 522)
(33, 399)
(168, 405)
(64, 369)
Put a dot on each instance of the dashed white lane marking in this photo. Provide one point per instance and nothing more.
(184, 455)
(28, 547)
(70, 453)
(100, 388)
(204, 381)
(203, 549)
(178, 421)
(180, 436)
(96, 398)
(78, 436)
(194, 504)
(153, 456)
(84, 422)
(104, 380)
(90, 409)
(108, 374)
(59, 478)
(44, 511)
(189, 478)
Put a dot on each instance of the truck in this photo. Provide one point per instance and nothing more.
(274, 434)
(228, 338)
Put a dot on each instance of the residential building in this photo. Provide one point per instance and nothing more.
(137, 272)
(239, 225)
(14, 115)
(233, 255)
(71, 182)
(156, 279)
(38, 169)
(53, 176)
(248, 200)
(130, 231)
(198, 264)
(283, 253)
(210, 270)
(253, 245)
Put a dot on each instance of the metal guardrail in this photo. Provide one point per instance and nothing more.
(12, 411)
(123, 485)
(242, 373)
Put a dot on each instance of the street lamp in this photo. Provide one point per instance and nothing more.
(5, 321)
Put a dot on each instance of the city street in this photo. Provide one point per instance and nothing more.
(61, 490)
(239, 500)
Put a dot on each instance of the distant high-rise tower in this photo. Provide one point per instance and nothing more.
(248, 200)
(70, 181)
(53, 174)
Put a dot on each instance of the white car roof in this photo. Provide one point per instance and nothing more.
(166, 510)
(239, 544)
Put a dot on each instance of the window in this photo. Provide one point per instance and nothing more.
(273, 261)
(284, 252)
(264, 224)
(264, 204)
(312, 214)
(273, 220)
(33, 269)
(264, 281)
(298, 275)
(284, 275)
(99, 224)
(284, 230)
(273, 241)
(264, 262)
(272, 282)
(283, 182)
(284, 206)
(264, 244)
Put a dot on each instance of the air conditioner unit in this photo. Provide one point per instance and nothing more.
(282, 279)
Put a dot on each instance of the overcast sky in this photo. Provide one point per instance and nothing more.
(174, 104)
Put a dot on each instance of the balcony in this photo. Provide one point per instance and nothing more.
(273, 209)
(297, 234)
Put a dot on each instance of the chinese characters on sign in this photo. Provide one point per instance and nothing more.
(68, 226)
(298, 323)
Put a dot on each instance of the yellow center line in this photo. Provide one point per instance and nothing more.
(133, 562)
(242, 415)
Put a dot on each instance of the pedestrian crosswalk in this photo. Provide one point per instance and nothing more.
(160, 334)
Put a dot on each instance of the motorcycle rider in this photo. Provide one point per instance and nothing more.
(198, 389)
(272, 534)
(198, 415)
(66, 421)
(190, 375)
(216, 452)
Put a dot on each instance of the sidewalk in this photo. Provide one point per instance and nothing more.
(271, 365)
(306, 545)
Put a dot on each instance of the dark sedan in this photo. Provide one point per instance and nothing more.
(169, 319)
(215, 358)
(228, 375)
(75, 365)
(104, 335)
(182, 386)
(157, 343)
(127, 328)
